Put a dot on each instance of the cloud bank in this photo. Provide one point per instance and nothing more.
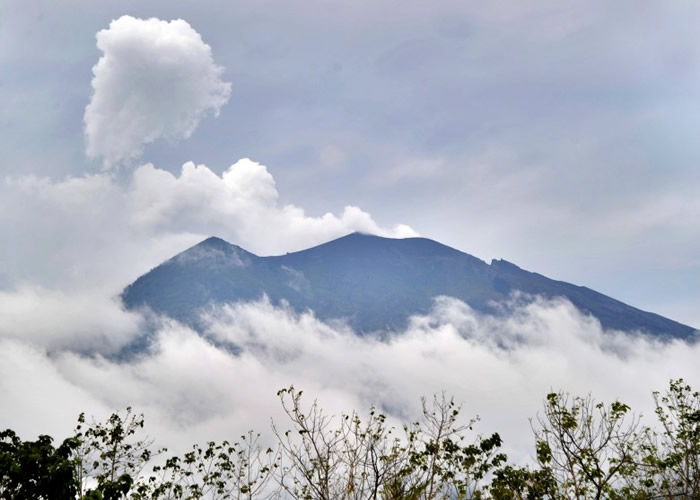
(191, 390)
(57, 320)
(155, 79)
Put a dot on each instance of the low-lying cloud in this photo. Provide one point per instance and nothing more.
(57, 320)
(192, 389)
(155, 80)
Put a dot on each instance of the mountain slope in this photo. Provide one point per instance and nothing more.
(373, 283)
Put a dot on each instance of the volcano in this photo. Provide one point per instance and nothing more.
(372, 283)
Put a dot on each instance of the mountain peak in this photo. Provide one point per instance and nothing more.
(212, 252)
(213, 242)
(371, 245)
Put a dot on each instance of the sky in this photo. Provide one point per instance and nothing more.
(560, 136)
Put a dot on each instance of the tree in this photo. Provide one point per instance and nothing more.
(443, 463)
(32, 470)
(586, 446)
(678, 412)
(584, 450)
(111, 455)
(366, 459)
(669, 459)
(522, 483)
(322, 462)
(217, 471)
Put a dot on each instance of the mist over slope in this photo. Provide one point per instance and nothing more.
(372, 283)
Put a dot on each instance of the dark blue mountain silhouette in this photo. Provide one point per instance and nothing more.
(373, 283)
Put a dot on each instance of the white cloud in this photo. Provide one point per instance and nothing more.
(103, 233)
(241, 206)
(155, 79)
(36, 397)
(55, 320)
(501, 369)
(75, 235)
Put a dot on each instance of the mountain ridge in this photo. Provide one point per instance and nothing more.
(373, 283)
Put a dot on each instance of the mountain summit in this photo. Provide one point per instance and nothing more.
(373, 283)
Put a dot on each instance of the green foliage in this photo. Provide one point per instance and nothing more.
(110, 454)
(669, 459)
(521, 483)
(678, 456)
(585, 446)
(31, 470)
(241, 470)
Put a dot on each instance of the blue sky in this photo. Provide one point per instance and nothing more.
(560, 135)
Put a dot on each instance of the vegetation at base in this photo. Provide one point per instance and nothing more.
(583, 450)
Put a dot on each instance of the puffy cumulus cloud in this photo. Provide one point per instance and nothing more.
(103, 233)
(155, 79)
(240, 205)
(500, 368)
